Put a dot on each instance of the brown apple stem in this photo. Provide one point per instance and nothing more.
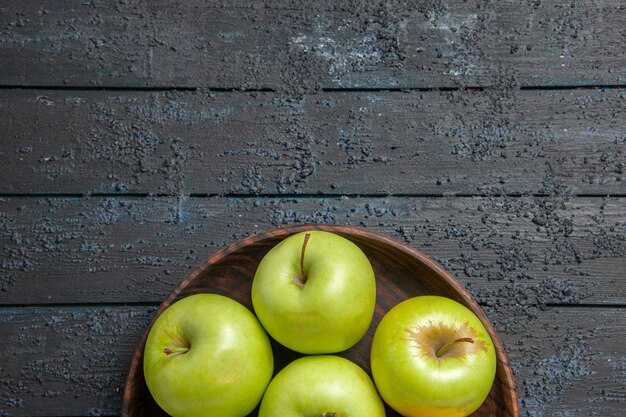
(442, 350)
(330, 414)
(306, 240)
(176, 350)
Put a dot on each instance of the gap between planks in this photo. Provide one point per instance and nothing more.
(325, 89)
(304, 195)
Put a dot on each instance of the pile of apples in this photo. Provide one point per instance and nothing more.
(315, 293)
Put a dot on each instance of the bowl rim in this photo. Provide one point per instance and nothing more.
(284, 232)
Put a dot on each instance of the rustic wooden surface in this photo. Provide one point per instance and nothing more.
(139, 137)
(287, 45)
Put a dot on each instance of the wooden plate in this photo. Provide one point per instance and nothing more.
(401, 272)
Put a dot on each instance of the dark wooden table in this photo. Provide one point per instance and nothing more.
(139, 137)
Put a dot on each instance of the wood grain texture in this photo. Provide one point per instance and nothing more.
(300, 46)
(514, 254)
(564, 360)
(220, 119)
(68, 361)
(490, 142)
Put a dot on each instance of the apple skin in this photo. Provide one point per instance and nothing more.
(329, 312)
(409, 375)
(227, 367)
(319, 386)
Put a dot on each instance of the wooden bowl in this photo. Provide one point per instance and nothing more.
(401, 272)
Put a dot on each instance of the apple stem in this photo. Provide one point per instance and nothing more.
(442, 350)
(177, 350)
(306, 240)
(330, 414)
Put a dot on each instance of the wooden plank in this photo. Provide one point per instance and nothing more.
(296, 47)
(566, 363)
(72, 361)
(67, 361)
(441, 143)
(515, 253)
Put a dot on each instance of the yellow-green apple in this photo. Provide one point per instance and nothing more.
(321, 386)
(431, 356)
(207, 355)
(315, 292)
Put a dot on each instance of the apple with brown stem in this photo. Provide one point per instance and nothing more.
(432, 356)
(315, 292)
(207, 355)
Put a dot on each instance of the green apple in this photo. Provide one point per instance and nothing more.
(207, 355)
(431, 356)
(315, 293)
(321, 386)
